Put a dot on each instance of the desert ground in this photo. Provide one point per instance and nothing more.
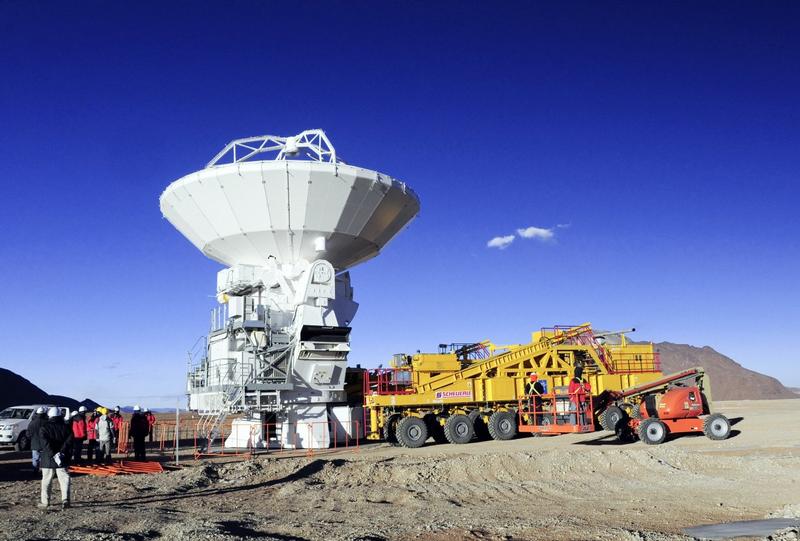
(555, 488)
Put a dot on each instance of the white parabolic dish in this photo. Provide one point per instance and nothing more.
(241, 213)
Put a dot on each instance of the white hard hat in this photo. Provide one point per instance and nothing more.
(146, 410)
(137, 408)
(116, 408)
(82, 409)
(39, 410)
(73, 414)
(54, 412)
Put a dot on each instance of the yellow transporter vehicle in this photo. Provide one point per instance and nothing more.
(469, 390)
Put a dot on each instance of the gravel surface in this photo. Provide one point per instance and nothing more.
(567, 487)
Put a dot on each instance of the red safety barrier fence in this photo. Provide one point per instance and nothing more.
(310, 437)
(122, 438)
(123, 467)
(208, 449)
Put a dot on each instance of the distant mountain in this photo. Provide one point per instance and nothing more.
(90, 404)
(729, 379)
(18, 391)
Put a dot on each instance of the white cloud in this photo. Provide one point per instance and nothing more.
(500, 242)
(536, 233)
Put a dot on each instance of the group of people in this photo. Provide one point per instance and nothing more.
(57, 442)
(101, 428)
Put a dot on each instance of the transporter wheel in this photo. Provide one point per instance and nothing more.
(411, 432)
(717, 427)
(652, 431)
(502, 425)
(23, 442)
(388, 431)
(611, 417)
(435, 430)
(481, 431)
(459, 429)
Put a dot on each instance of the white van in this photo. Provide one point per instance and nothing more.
(14, 423)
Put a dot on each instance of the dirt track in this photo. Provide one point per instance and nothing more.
(568, 487)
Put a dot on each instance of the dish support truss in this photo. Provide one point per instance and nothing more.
(313, 145)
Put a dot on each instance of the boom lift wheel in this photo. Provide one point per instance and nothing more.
(458, 429)
(652, 431)
(717, 427)
(389, 435)
(502, 425)
(411, 432)
(611, 416)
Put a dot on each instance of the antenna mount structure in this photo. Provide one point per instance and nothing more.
(311, 145)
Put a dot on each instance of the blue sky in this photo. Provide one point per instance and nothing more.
(666, 136)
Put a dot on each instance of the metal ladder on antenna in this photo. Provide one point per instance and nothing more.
(213, 424)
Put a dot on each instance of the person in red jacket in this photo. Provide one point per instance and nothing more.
(91, 436)
(78, 421)
(579, 391)
(116, 420)
(151, 422)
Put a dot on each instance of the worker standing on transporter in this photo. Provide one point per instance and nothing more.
(139, 430)
(36, 439)
(91, 436)
(578, 397)
(78, 433)
(151, 422)
(56, 440)
(116, 418)
(535, 389)
(105, 436)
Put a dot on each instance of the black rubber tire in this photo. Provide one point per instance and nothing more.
(388, 431)
(411, 432)
(481, 430)
(23, 442)
(435, 430)
(502, 425)
(653, 432)
(611, 417)
(459, 429)
(717, 427)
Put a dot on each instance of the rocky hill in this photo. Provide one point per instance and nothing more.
(729, 379)
(19, 391)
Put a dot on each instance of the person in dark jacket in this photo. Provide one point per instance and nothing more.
(36, 440)
(140, 428)
(56, 440)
